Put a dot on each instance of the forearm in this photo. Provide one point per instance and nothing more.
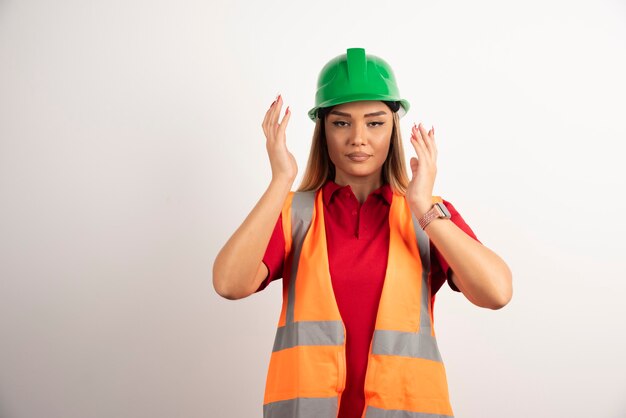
(482, 276)
(235, 266)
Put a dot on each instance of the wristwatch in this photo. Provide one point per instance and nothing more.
(439, 210)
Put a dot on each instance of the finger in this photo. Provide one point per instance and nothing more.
(430, 143)
(414, 164)
(420, 151)
(283, 124)
(418, 130)
(431, 134)
(419, 145)
(268, 115)
(427, 140)
(267, 118)
(416, 142)
(277, 107)
(271, 121)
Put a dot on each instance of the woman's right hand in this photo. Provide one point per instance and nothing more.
(282, 161)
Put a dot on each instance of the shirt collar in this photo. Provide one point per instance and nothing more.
(330, 188)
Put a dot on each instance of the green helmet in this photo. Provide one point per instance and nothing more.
(355, 76)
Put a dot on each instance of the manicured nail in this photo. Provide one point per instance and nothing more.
(287, 110)
(278, 97)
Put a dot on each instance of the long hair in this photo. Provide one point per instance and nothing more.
(320, 168)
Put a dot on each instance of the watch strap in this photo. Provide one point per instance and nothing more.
(438, 210)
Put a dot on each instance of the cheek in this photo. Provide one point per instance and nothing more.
(383, 142)
(332, 146)
(334, 155)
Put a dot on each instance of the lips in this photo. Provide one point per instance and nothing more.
(358, 156)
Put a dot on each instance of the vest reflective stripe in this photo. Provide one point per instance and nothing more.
(408, 344)
(301, 216)
(405, 377)
(423, 243)
(309, 333)
(382, 413)
(331, 333)
(302, 407)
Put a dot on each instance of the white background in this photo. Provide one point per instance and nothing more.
(131, 149)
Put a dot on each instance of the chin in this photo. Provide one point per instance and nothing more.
(359, 172)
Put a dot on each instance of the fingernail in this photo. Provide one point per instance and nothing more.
(278, 97)
(287, 110)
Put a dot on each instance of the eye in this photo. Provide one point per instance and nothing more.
(377, 123)
(340, 123)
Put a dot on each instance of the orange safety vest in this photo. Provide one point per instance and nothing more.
(405, 376)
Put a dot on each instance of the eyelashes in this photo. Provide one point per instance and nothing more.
(341, 124)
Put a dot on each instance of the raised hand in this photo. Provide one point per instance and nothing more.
(423, 168)
(281, 160)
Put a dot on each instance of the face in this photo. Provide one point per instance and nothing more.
(358, 136)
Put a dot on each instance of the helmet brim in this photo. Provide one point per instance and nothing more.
(404, 105)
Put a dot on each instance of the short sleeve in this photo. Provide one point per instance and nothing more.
(440, 269)
(274, 255)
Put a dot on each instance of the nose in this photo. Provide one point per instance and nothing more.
(358, 135)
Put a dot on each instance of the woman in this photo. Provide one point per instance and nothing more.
(362, 250)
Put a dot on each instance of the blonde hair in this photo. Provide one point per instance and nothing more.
(320, 168)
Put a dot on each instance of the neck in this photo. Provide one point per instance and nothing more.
(361, 186)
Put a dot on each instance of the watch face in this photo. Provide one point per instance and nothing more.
(444, 210)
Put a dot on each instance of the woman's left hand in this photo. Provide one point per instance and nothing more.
(424, 170)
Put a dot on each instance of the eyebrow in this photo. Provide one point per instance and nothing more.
(347, 115)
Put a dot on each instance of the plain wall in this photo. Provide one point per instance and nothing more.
(131, 149)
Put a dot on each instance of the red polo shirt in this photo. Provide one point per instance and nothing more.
(358, 243)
